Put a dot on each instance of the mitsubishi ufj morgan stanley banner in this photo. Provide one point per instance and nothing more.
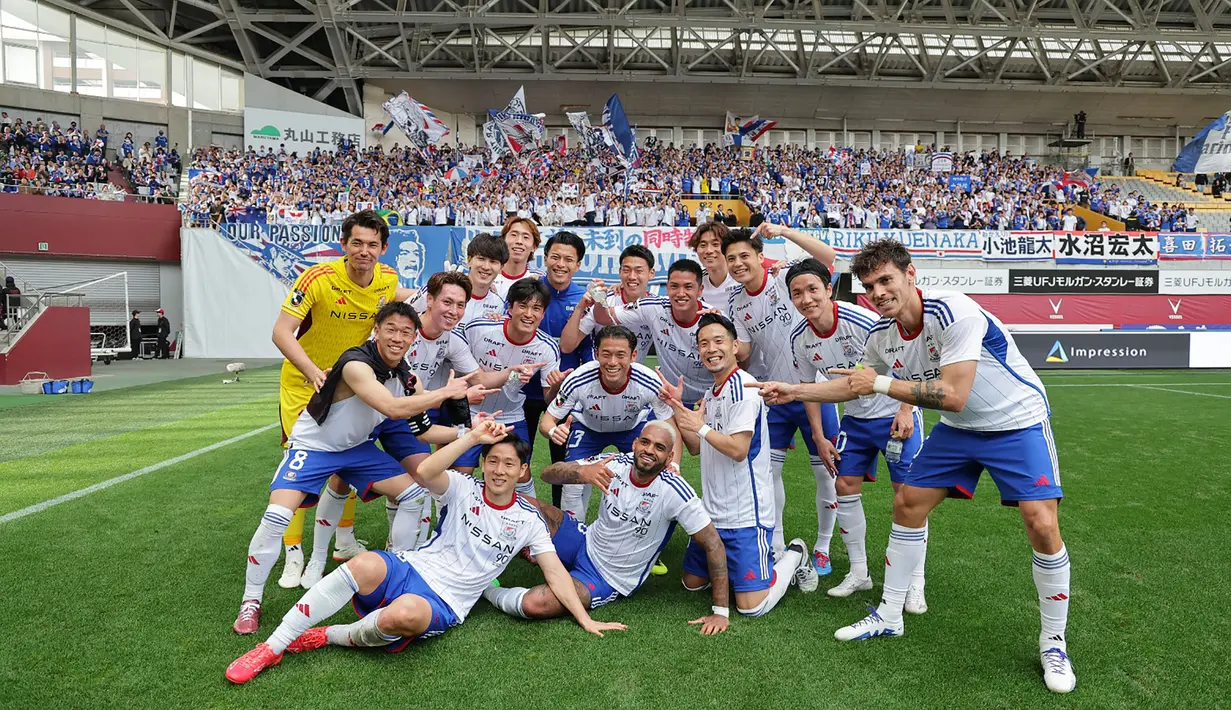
(1083, 281)
(1083, 351)
(1015, 309)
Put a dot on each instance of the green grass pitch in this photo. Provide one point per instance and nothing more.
(124, 597)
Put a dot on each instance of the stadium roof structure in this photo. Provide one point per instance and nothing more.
(1177, 47)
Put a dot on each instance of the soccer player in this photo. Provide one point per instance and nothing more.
(603, 403)
(521, 236)
(420, 594)
(329, 309)
(730, 432)
(517, 345)
(832, 336)
(940, 350)
(364, 387)
(484, 256)
(636, 270)
(706, 241)
(563, 254)
(642, 502)
(672, 323)
(764, 319)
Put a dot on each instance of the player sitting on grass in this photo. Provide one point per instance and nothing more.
(640, 506)
(366, 386)
(419, 594)
(940, 350)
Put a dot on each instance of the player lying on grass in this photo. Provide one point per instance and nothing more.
(940, 350)
(640, 506)
(419, 594)
(366, 386)
(730, 432)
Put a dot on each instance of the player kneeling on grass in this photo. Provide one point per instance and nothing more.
(640, 506)
(419, 594)
(730, 431)
(365, 387)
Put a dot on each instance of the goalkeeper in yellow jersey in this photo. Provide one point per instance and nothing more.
(330, 308)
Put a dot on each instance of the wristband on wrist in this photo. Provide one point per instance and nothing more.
(704, 430)
(881, 384)
(462, 431)
(721, 611)
(551, 433)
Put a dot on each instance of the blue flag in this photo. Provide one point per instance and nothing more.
(1209, 151)
(626, 141)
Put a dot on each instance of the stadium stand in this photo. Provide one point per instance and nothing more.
(791, 185)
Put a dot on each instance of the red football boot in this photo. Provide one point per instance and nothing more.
(247, 666)
(249, 618)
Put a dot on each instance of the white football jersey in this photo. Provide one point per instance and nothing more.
(842, 347)
(502, 282)
(350, 423)
(598, 409)
(635, 522)
(474, 541)
(674, 342)
(494, 351)
(766, 319)
(476, 307)
(720, 293)
(645, 337)
(431, 360)
(1006, 393)
(737, 494)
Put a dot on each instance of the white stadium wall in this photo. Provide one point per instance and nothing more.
(230, 302)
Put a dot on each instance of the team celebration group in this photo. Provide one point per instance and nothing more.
(436, 397)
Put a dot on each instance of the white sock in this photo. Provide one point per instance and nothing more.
(854, 530)
(905, 547)
(328, 513)
(404, 532)
(572, 499)
(826, 504)
(322, 601)
(777, 457)
(425, 523)
(916, 577)
(344, 536)
(1051, 578)
(365, 632)
(507, 599)
(391, 512)
(784, 572)
(294, 552)
(264, 549)
(527, 489)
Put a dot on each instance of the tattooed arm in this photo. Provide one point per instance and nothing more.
(948, 392)
(716, 556)
(587, 471)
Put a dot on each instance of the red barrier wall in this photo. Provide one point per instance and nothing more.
(57, 342)
(88, 228)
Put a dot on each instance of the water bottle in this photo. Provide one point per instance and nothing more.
(893, 451)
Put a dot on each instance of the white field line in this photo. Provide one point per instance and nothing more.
(1140, 384)
(38, 507)
(1167, 389)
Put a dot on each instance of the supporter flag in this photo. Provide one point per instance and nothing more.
(415, 119)
(455, 174)
(512, 130)
(1076, 177)
(738, 131)
(625, 137)
(942, 162)
(1209, 151)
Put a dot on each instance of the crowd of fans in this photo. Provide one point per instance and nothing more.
(445, 185)
(808, 188)
(47, 158)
